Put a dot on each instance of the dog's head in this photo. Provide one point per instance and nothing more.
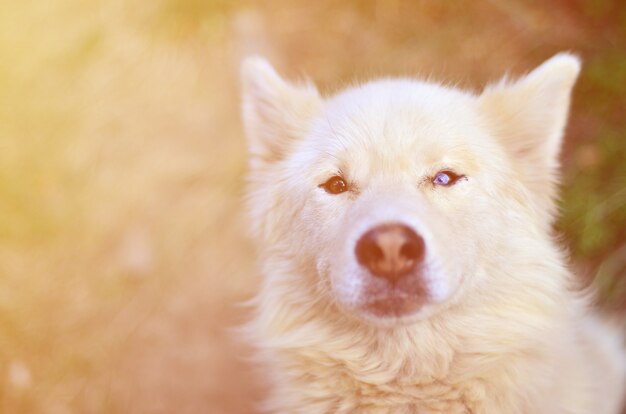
(395, 197)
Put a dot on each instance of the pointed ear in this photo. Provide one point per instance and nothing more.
(275, 113)
(528, 116)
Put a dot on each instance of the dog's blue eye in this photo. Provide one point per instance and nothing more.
(446, 178)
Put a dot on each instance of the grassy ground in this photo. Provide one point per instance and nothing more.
(122, 248)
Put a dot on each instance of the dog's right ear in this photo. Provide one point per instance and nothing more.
(275, 112)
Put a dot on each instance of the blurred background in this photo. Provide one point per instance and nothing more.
(123, 251)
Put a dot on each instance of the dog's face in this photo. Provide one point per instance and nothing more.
(395, 196)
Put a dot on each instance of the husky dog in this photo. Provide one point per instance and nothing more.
(406, 244)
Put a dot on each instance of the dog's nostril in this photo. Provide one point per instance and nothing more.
(390, 251)
(367, 251)
(413, 249)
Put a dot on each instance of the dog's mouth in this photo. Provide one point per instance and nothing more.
(394, 306)
(398, 300)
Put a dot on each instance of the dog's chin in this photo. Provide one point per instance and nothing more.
(393, 306)
(392, 309)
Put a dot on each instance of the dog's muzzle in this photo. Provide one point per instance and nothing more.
(393, 255)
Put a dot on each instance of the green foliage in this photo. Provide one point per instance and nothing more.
(594, 193)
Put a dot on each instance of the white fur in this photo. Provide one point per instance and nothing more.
(503, 329)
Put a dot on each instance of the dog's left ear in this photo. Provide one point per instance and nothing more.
(528, 116)
(276, 113)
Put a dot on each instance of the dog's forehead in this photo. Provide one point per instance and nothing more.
(395, 122)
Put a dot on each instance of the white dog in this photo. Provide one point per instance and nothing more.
(408, 256)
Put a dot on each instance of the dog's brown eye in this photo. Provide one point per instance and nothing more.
(446, 178)
(335, 185)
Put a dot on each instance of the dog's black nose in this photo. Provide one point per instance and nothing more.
(390, 251)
